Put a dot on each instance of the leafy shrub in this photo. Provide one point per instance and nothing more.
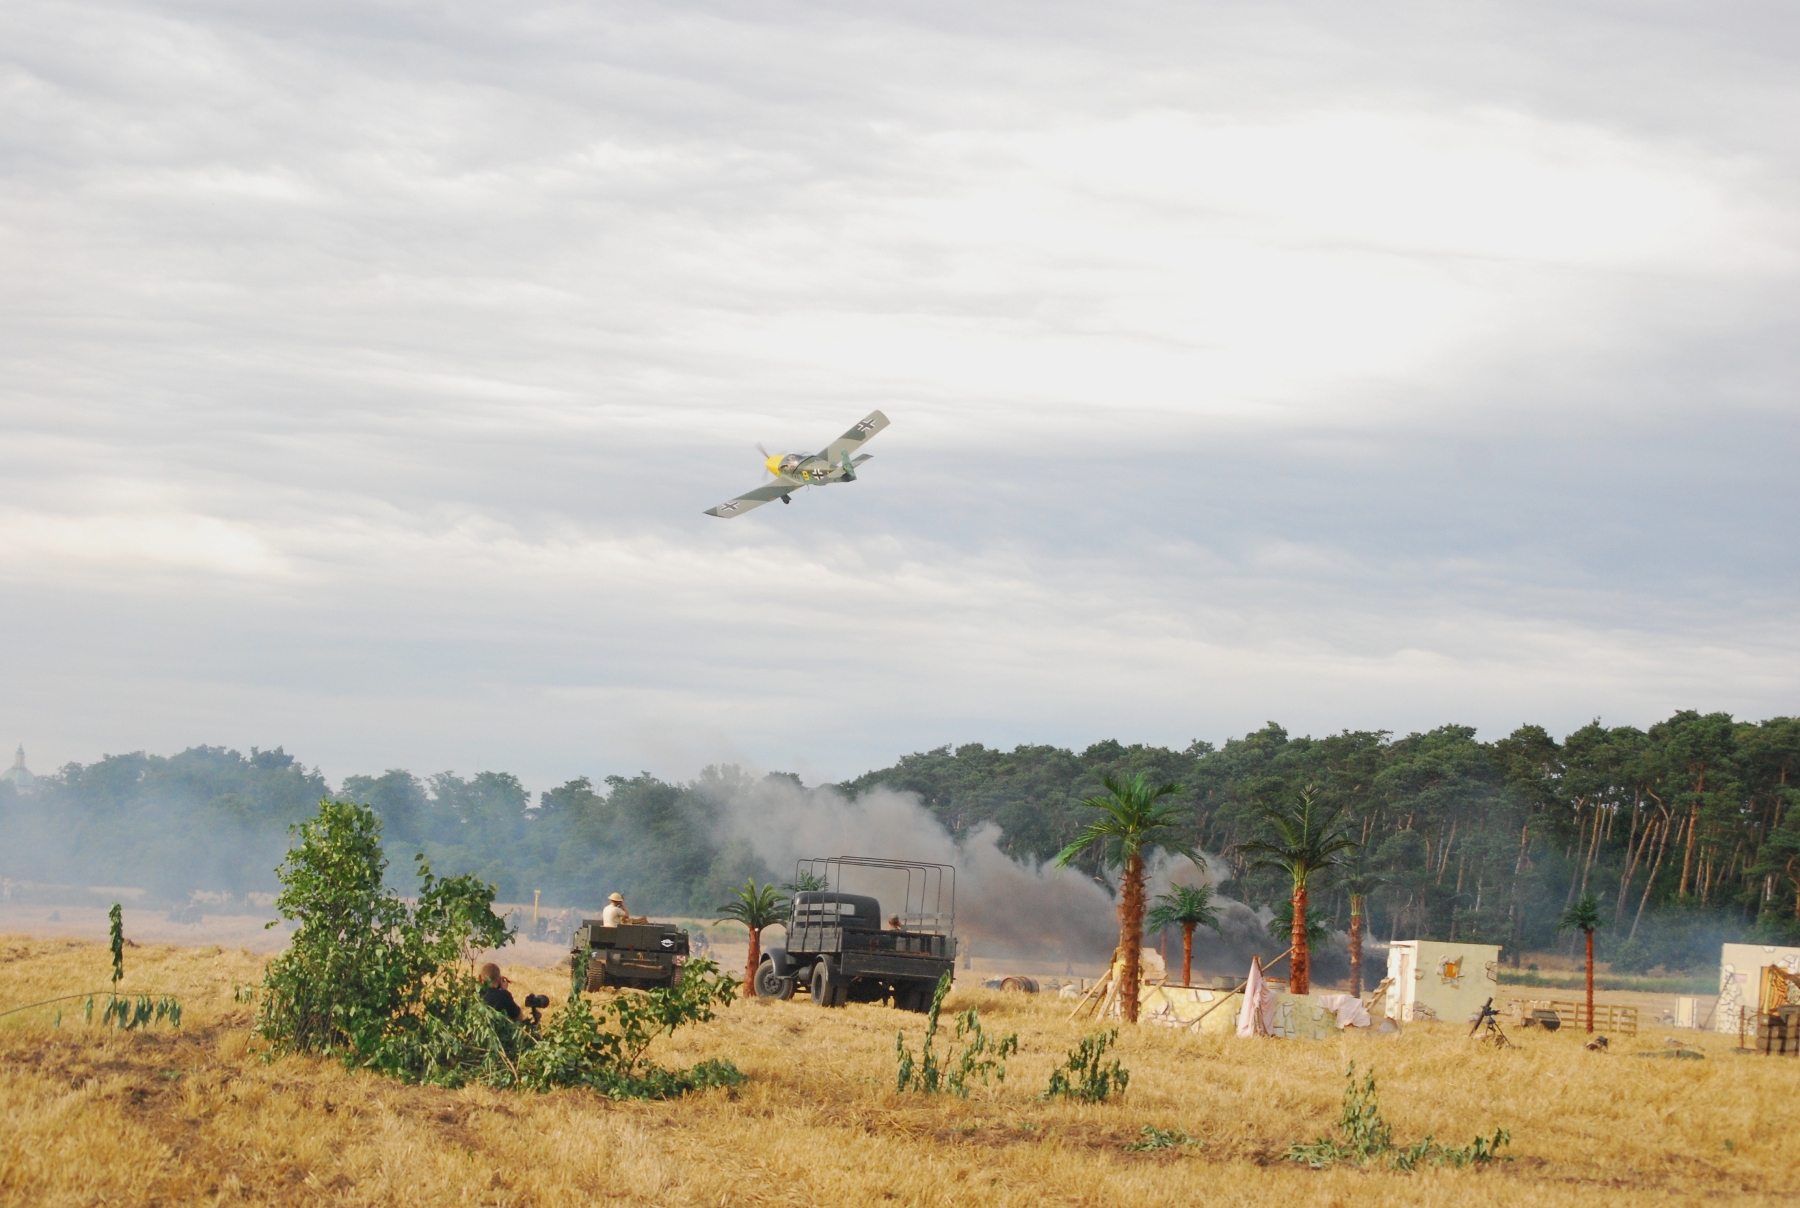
(390, 987)
(364, 969)
(1151, 1138)
(1366, 1136)
(575, 1048)
(1085, 1074)
(981, 1056)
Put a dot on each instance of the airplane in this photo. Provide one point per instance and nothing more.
(795, 470)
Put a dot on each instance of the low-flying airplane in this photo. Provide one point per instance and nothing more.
(836, 463)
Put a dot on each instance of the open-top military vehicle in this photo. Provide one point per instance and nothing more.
(639, 955)
(839, 948)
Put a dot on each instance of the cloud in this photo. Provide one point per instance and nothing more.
(366, 371)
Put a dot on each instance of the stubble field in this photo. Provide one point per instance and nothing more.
(197, 1116)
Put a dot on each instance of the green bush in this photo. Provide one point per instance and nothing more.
(1365, 1136)
(1086, 1075)
(389, 986)
(981, 1057)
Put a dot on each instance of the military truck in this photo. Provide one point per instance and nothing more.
(842, 948)
(639, 955)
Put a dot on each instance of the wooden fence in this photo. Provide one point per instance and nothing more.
(1622, 1021)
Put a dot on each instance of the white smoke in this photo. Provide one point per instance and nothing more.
(1006, 908)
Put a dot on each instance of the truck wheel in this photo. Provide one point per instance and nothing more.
(827, 991)
(771, 985)
(913, 998)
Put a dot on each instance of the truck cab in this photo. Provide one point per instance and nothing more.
(841, 947)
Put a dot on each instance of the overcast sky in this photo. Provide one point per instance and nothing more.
(366, 368)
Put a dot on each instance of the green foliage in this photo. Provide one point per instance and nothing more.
(364, 969)
(1152, 1138)
(577, 1047)
(1085, 1075)
(1583, 915)
(1307, 837)
(1365, 1136)
(130, 1012)
(754, 906)
(981, 1056)
(1441, 813)
(116, 917)
(389, 987)
(805, 882)
(1133, 818)
(207, 818)
(1183, 906)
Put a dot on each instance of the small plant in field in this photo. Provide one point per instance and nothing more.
(128, 1013)
(1366, 1136)
(1086, 1075)
(116, 916)
(982, 1056)
(1154, 1138)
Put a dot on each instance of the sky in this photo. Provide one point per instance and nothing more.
(365, 370)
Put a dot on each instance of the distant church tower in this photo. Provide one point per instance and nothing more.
(19, 774)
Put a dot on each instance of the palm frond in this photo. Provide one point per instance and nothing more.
(1132, 820)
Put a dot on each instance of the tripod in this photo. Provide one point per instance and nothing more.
(1489, 1019)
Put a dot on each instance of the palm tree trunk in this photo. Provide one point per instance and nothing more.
(1187, 954)
(1356, 930)
(750, 965)
(1590, 978)
(1300, 963)
(1131, 935)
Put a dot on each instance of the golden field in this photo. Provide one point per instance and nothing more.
(197, 1116)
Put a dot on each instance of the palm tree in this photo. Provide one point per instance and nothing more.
(1186, 907)
(1584, 916)
(755, 907)
(1308, 838)
(1359, 883)
(1131, 821)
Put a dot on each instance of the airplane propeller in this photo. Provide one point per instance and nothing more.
(765, 457)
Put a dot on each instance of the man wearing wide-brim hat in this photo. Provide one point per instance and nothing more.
(615, 914)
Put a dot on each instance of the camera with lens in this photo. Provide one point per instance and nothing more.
(537, 1002)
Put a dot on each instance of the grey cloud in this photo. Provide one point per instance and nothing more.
(367, 367)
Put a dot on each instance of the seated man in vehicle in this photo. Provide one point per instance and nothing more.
(615, 914)
(495, 994)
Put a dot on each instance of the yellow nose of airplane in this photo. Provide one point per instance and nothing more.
(774, 464)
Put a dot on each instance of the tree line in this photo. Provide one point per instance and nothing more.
(1684, 831)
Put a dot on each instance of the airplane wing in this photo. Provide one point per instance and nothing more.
(753, 499)
(852, 440)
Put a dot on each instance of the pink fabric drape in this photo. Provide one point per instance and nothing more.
(1257, 1016)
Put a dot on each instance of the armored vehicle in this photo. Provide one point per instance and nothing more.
(841, 947)
(640, 955)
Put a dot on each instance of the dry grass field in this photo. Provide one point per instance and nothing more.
(196, 1116)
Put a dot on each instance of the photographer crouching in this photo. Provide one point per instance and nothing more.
(495, 992)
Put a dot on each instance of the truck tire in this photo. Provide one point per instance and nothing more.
(914, 996)
(770, 984)
(827, 990)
